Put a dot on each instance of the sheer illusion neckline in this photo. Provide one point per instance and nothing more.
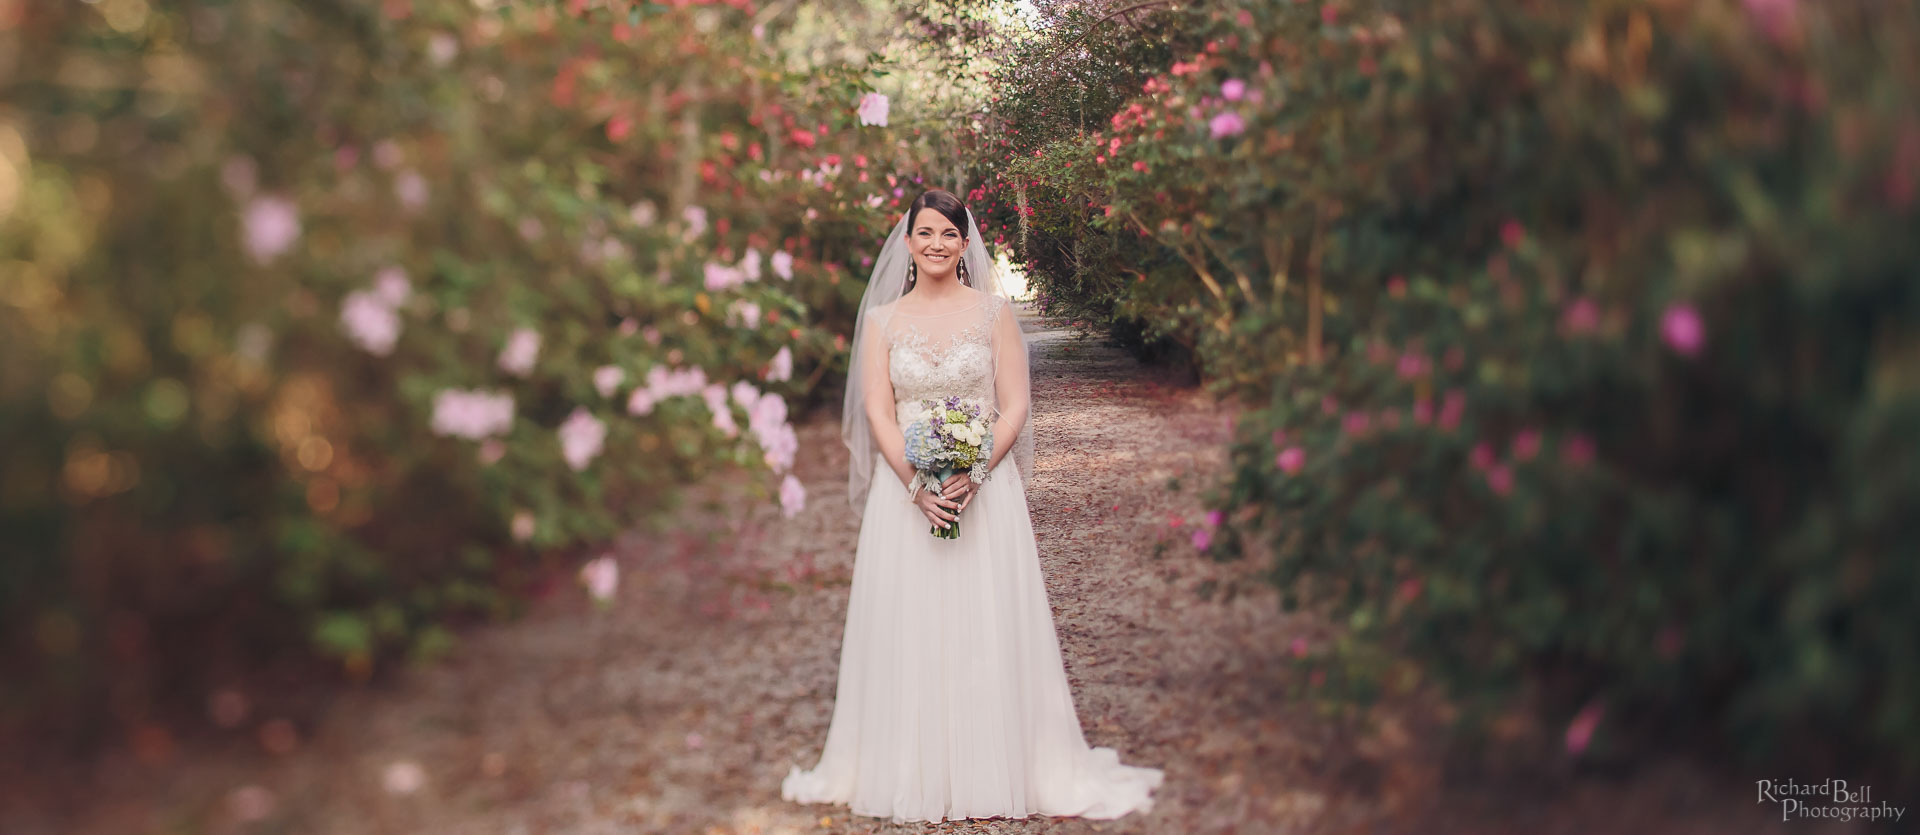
(901, 312)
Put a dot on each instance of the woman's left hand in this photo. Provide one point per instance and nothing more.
(959, 487)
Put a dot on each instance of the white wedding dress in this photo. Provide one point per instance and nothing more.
(952, 699)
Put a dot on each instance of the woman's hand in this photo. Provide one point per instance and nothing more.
(939, 510)
(959, 487)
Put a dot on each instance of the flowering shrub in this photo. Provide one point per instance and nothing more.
(1578, 341)
(325, 325)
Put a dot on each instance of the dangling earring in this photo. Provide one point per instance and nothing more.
(913, 273)
(964, 278)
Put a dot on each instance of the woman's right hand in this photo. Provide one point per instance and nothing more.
(939, 511)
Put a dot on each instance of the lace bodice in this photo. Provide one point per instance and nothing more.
(942, 355)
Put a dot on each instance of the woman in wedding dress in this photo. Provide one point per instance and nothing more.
(952, 699)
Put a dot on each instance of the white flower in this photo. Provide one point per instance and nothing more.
(783, 265)
(522, 348)
(581, 438)
(873, 109)
(782, 365)
(793, 497)
(744, 312)
(720, 276)
(601, 577)
(522, 526)
(607, 378)
(370, 322)
(780, 444)
(744, 394)
(441, 47)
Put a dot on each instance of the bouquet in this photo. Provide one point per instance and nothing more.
(945, 438)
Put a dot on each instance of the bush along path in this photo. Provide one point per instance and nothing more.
(677, 703)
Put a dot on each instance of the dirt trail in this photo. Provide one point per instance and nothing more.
(679, 708)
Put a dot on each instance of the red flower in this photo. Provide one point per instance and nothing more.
(618, 128)
(1512, 233)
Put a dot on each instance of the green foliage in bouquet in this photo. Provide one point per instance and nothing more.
(1580, 340)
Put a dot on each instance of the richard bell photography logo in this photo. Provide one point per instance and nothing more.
(1830, 800)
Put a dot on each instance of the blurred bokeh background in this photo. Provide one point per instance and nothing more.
(1573, 345)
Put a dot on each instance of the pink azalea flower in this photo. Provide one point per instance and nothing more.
(640, 402)
(1681, 327)
(782, 368)
(750, 264)
(651, 334)
(1412, 365)
(1580, 730)
(1233, 89)
(629, 327)
(744, 394)
(1577, 450)
(873, 109)
(403, 777)
(1512, 233)
(743, 312)
(780, 447)
(411, 189)
(1452, 408)
(1777, 18)
(271, 224)
(1481, 458)
(783, 265)
(1298, 646)
(1202, 538)
(1355, 423)
(1526, 444)
(1226, 123)
(472, 415)
(522, 348)
(793, 496)
(607, 379)
(582, 437)
(391, 285)
(1500, 479)
(370, 322)
(716, 397)
(1213, 518)
(1291, 460)
(1329, 14)
(1423, 411)
(1582, 316)
(602, 577)
(522, 527)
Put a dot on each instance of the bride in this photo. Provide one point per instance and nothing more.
(952, 700)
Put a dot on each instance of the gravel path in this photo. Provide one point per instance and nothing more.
(679, 708)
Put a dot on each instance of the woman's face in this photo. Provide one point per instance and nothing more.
(935, 243)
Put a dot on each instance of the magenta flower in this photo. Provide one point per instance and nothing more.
(1452, 408)
(1202, 538)
(1526, 444)
(1481, 458)
(1355, 423)
(1233, 89)
(1298, 646)
(1580, 730)
(1291, 460)
(1412, 365)
(1582, 316)
(1226, 123)
(1213, 518)
(1500, 479)
(640, 402)
(1512, 233)
(1577, 450)
(1681, 327)
(1423, 411)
